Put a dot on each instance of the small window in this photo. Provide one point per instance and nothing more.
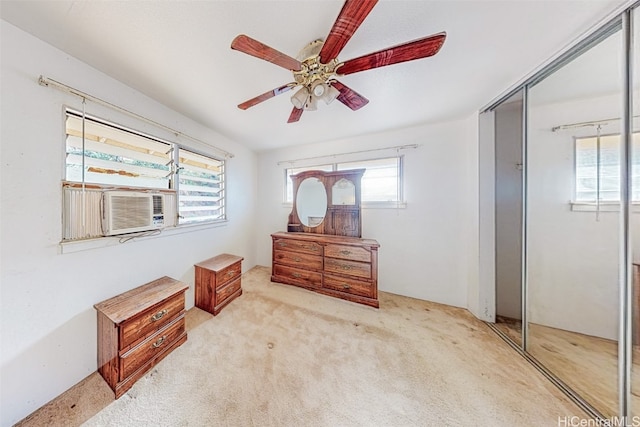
(200, 188)
(598, 169)
(114, 156)
(381, 182)
(293, 171)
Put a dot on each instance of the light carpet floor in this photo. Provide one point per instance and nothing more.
(283, 356)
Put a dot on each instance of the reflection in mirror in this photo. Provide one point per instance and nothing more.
(573, 249)
(311, 202)
(343, 192)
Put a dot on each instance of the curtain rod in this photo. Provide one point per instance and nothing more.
(584, 124)
(44, 81)
(397, 147)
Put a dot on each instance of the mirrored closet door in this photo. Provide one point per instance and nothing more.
(634, 147)
(565, 160)
(574, 221)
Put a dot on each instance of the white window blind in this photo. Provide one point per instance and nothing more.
(598, 174)
(200, 188)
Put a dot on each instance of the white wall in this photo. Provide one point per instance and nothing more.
(48, 324)
(428, 249)
(572, 258)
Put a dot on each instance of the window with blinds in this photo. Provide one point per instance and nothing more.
(598, 169)
(200, 188)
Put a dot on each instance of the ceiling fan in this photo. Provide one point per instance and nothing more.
(317, 67)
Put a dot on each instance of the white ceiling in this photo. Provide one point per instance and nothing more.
(178, 53)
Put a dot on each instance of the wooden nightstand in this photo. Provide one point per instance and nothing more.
(218, 282)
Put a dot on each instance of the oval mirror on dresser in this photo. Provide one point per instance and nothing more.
(311, 202)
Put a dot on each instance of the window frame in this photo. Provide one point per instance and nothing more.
(173, 177)
(399, 203)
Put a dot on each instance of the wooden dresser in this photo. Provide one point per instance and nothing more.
(139, 328)
(218, 282)
(343, 267)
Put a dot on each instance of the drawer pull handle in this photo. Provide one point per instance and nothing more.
(296, 259)
(345, 252)
(159, 315)
(231, 273)
(159, 341)
(296, 275)
(346, 267)
(282, 244)
(345, 286)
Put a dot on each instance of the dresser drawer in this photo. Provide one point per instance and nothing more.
(352, 268)
(296, 259)
(146, 323)
(296, 275)
(230, 273)
(225, 292)
(312, 248)
(354, 253)
(350, 286)
(151, 347)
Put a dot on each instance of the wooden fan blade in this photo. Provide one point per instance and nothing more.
(295, 115)
(267, 95)
(260, 50)
(416, 49)
(351, 15)
(350, 97)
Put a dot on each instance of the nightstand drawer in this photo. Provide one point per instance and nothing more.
(223, 293)
(296, 259)
(132, 360)
(146, 323)
(354, 253)
(230, 273)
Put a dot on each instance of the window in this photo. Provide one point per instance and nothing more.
(381, 182)
(113, 157)
(598, 171)
(200, 188)
(293, 171)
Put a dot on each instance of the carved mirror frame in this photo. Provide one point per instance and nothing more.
(339, 219)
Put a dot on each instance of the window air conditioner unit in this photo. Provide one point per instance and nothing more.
(132, 211)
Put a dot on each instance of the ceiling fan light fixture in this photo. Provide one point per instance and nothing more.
(311, 104)
(330, 95)
(319, 88)
(299, 99)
